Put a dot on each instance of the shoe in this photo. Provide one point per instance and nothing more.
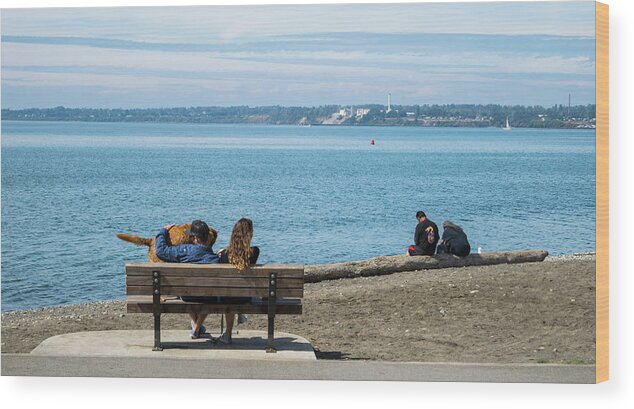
(203, 330)
(225, 338)
(194, 334)
(242, 318)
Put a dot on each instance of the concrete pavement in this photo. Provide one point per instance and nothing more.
(247, 344)
(159, 367)
(129, 354)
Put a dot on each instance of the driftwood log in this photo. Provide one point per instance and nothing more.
(395, 264)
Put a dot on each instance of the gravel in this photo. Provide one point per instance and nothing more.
(541, 312)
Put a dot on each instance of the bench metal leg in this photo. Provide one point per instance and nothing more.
(157, 333)
(156, 306)
(271, 311)
(269, 343)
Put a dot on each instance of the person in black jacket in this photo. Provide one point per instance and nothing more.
(425, 237)
(454, 240)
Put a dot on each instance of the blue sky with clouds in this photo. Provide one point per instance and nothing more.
(425, 53)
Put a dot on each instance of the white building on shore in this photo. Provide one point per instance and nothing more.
(361, 112)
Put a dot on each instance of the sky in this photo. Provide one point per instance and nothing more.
(533, 53)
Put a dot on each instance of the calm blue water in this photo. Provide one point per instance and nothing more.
(316, 195)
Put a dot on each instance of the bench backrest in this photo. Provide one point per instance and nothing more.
(222, 280)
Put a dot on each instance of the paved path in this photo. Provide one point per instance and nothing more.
(157, 367)
(129, 354)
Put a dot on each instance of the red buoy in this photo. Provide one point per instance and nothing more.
(371, 141)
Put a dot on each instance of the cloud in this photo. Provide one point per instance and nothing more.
(230, 23)
(299, 54)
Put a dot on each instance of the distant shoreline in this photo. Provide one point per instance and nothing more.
(426, 115)
(290, 125)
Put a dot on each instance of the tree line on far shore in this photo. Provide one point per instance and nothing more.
(557, 116)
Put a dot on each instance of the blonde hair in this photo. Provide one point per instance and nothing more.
(239, 248)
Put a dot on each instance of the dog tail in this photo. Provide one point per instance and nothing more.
(139, 241)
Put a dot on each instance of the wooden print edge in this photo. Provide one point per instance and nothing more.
(602, 193)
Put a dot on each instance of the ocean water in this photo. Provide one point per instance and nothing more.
(315, 194)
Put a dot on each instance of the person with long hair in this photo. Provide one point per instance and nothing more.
(239, 251)
(241, 254)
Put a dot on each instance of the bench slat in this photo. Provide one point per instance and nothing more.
(143, 304)
(169, 280)
(141, 264)
(216, 291)
(217, 274)
(214, 270)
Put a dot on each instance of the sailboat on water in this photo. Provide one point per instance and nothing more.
(507, 127)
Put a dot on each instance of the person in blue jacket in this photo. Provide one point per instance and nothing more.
(196, 252)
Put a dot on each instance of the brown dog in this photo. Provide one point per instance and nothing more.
(176, 236)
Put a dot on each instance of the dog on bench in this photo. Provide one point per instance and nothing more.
(177, 235)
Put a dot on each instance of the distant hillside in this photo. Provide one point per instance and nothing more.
(558, 116)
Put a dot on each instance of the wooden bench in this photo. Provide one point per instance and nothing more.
(156, 287)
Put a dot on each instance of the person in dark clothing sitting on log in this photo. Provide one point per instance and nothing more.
(425, 237)
(454, 240)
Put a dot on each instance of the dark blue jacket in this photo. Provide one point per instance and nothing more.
(183, 253)
(454, 241)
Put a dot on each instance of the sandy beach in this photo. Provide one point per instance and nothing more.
(511, 313)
